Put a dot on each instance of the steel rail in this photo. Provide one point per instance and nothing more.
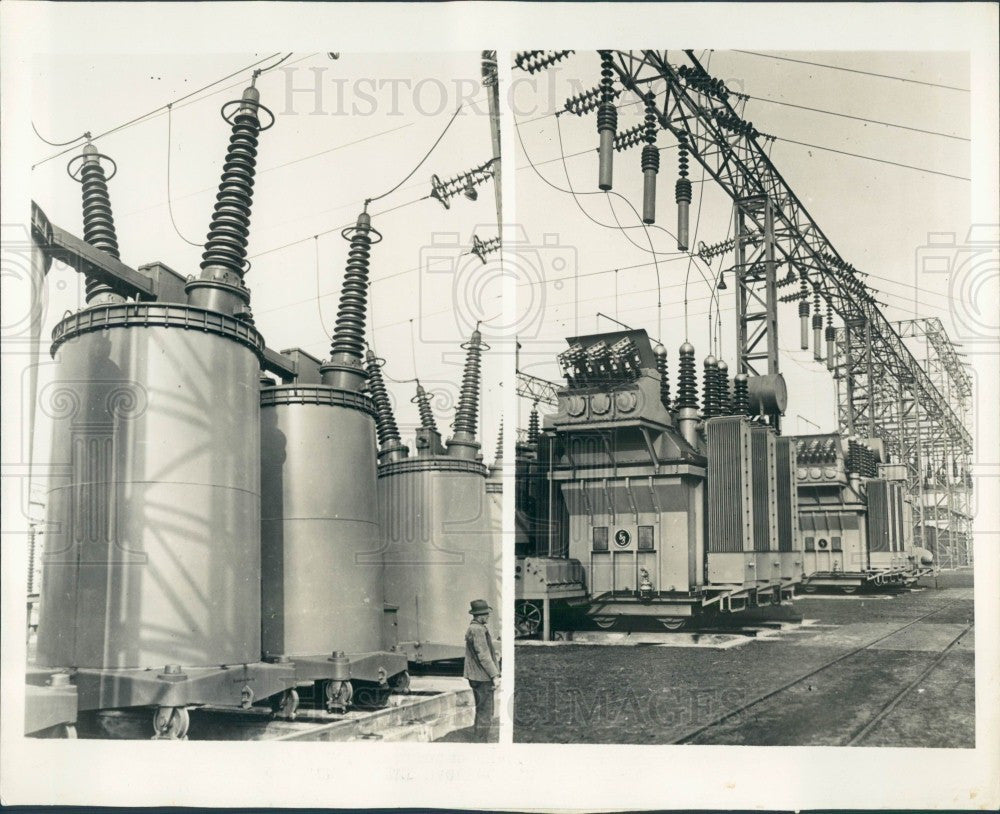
(691, 734)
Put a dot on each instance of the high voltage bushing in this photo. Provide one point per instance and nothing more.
(223, 263)
(344, 369)
(534, 61)
(709, 403)
(463, 442)
(533, 425)
(98, 221)
(482, 248)
(661, 367)
(817, 325)
(464, 182)
(741, 394)
(607, 123)
(423, 401)
(682, 193)
(687, 395)
(722, 382)
(498, 452)
(831, 339)
(391, 447)
(587, 102)
(650, 162)
(804, 312)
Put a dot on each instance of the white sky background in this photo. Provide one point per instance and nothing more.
(876, 215)
(371, 130)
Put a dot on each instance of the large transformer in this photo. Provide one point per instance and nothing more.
(667, 512)
(151, 579)
(855, 526)
(322, 566)
(438, 540)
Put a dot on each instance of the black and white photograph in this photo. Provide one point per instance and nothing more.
(745, 492)
(261, 502)
(394, 418)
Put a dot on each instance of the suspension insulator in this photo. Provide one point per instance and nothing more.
(220, 287)
(534, 61)
(423, 401)
(723, 399)
(661, 367)
(390, 445)
(533, 425)
(607, 123)
(98, 221)
(682, 194)
(709, 405)
(463, 442)
(741, 394)
(344, 369)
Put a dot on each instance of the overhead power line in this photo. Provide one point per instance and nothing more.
(872, 158)
(857, 118)
(161, 108)
(853, 70)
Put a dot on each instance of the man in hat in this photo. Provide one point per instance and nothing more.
(481, 669)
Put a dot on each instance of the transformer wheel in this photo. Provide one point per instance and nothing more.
(673, 622)
(337, 695)
(68, 731)
(849, 589)
(171, 723)
(605, 622)
(285, 705)
(527, 619)
(401, 682)
(809, 589)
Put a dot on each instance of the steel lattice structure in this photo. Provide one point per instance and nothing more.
(884, 391)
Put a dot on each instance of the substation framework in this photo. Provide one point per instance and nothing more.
(918, 408)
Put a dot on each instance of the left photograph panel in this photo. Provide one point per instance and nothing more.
(263, 498)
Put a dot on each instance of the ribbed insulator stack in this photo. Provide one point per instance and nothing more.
(687, 380)
(423, 401)
(853, 462)
(533, 425)
(660, 353)
(344, 369)
(498, 453)
(682, 194)
(650, 161)
(98, 221)
(463, 442)
(607, 122)
(587, 102)
(709, 389)
(722, 388)
(741, 394)
(390, 444)
(534, 61)
(220, 287)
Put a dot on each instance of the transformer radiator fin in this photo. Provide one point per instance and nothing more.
(788, 498)
(730, 506)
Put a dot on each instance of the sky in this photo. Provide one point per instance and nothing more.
(346, 129)
(878, 216)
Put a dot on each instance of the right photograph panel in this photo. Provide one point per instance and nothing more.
(744, 495)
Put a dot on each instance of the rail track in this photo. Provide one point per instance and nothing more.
(859, 734)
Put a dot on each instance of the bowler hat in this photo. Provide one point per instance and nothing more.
(479, 606)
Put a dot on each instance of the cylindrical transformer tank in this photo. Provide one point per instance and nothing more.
(320, 547)
(438, 550)
(153, 542)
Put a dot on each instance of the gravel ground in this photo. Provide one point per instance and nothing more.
(650, 694)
